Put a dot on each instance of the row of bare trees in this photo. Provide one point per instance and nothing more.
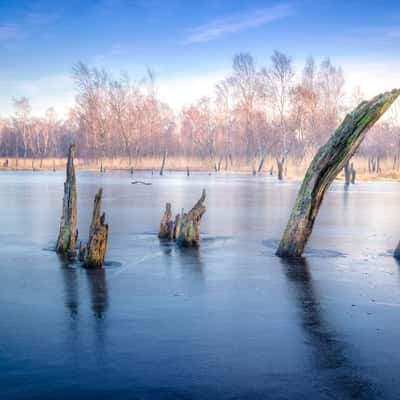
(255, 113)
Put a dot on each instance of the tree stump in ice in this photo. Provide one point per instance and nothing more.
(98, 236)
(68, 234)
(177, 226)
(327, 163)
(166, 224)
(189, 230)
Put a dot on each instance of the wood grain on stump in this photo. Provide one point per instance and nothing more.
(68, 234)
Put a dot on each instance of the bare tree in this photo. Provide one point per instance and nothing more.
(279, 78)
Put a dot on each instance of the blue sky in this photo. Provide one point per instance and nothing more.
(189, 44)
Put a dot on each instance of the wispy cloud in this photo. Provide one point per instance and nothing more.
(10, 31)
(373, 35)
(237, 23)
(30, 22)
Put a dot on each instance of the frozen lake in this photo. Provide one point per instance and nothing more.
(227, 321)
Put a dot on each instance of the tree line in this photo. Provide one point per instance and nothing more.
(256, 112)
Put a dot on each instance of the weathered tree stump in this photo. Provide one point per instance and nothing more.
(166, 224)
(177, 226)
(327, 163)
(185, 229)
(67, 237)
(98, 236)
(189, 230)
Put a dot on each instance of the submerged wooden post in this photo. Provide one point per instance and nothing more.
(163, 163)
(98, 236)
(166, 224)
(67, 237)
(327, 163)
(353, 174)
(189, 228)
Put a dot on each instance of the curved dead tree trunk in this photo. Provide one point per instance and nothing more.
(189, 230)
(166, 224)
(94, 254)
(67, 237)
(327, 163)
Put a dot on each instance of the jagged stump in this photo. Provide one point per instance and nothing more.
(94, 254)
(189, 228)
(327, 163)
(166, 224)
(177, 226)
(185, 230)
(68, 234)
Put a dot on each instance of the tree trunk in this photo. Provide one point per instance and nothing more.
(279, 164)
(219, 163)
(163, 163)
(253, 168)
(98, 236)
(378, 165)
(327, 163)
(347, 173)
(177, 226)
(67, 237)
(166, 225)
(261, 165)
(353, 174)
(189, 230)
